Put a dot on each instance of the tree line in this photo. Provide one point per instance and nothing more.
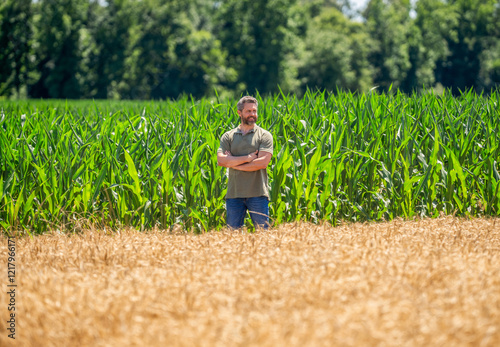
(158, 49)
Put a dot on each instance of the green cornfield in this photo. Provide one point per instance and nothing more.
(337, 157)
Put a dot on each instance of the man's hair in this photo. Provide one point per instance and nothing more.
(246, 100)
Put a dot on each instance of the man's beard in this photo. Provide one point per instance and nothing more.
(249, 120)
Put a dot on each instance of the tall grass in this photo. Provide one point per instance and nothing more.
(337, 157)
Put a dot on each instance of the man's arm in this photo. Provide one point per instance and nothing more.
(257, 164)
(228, 160)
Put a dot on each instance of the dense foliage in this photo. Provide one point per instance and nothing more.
(156, 49)
(338, 157)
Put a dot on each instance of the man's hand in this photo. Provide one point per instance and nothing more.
(226, 159)
(251, 157)
(262, 161)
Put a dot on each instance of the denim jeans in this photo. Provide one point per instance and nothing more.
(237, 210)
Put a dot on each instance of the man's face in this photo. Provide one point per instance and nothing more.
(249, 114)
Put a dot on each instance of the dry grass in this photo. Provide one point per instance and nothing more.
(428, 282)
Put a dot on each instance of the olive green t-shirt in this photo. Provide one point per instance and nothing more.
(247, 184)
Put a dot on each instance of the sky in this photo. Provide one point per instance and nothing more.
(358, 4)
(361, 5)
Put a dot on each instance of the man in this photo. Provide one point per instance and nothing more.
(246, 151)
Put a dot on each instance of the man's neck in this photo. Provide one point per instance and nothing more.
(245, 128)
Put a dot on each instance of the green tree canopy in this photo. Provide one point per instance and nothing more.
(254, 33)
(15, 34)
(171, 52)
(57, 48)
(336, 53)
(472, 43)
(158, 49)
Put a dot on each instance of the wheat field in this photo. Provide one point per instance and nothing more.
(402, 283)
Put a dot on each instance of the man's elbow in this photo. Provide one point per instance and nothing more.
(263, 166)
(266, 163)
(222, 162)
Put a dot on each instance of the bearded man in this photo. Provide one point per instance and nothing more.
(246, 151)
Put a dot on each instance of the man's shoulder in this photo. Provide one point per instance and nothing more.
(264, 132)
(230, 133)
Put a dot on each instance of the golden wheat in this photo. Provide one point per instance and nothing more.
(402, 283)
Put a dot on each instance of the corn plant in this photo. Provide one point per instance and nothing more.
(337, 157)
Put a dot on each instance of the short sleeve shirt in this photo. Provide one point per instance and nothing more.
(247, 184)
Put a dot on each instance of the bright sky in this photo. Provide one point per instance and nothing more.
(361, 5)
(358, 4)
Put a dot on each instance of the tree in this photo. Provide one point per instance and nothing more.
(428, 44)
(57, 51)
(472, 44)
(255, 35)
(15, 35)
(104, 43)
(171, 52)
(387, 25)
(336, 53)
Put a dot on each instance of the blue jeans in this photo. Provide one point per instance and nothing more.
(237, 210)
